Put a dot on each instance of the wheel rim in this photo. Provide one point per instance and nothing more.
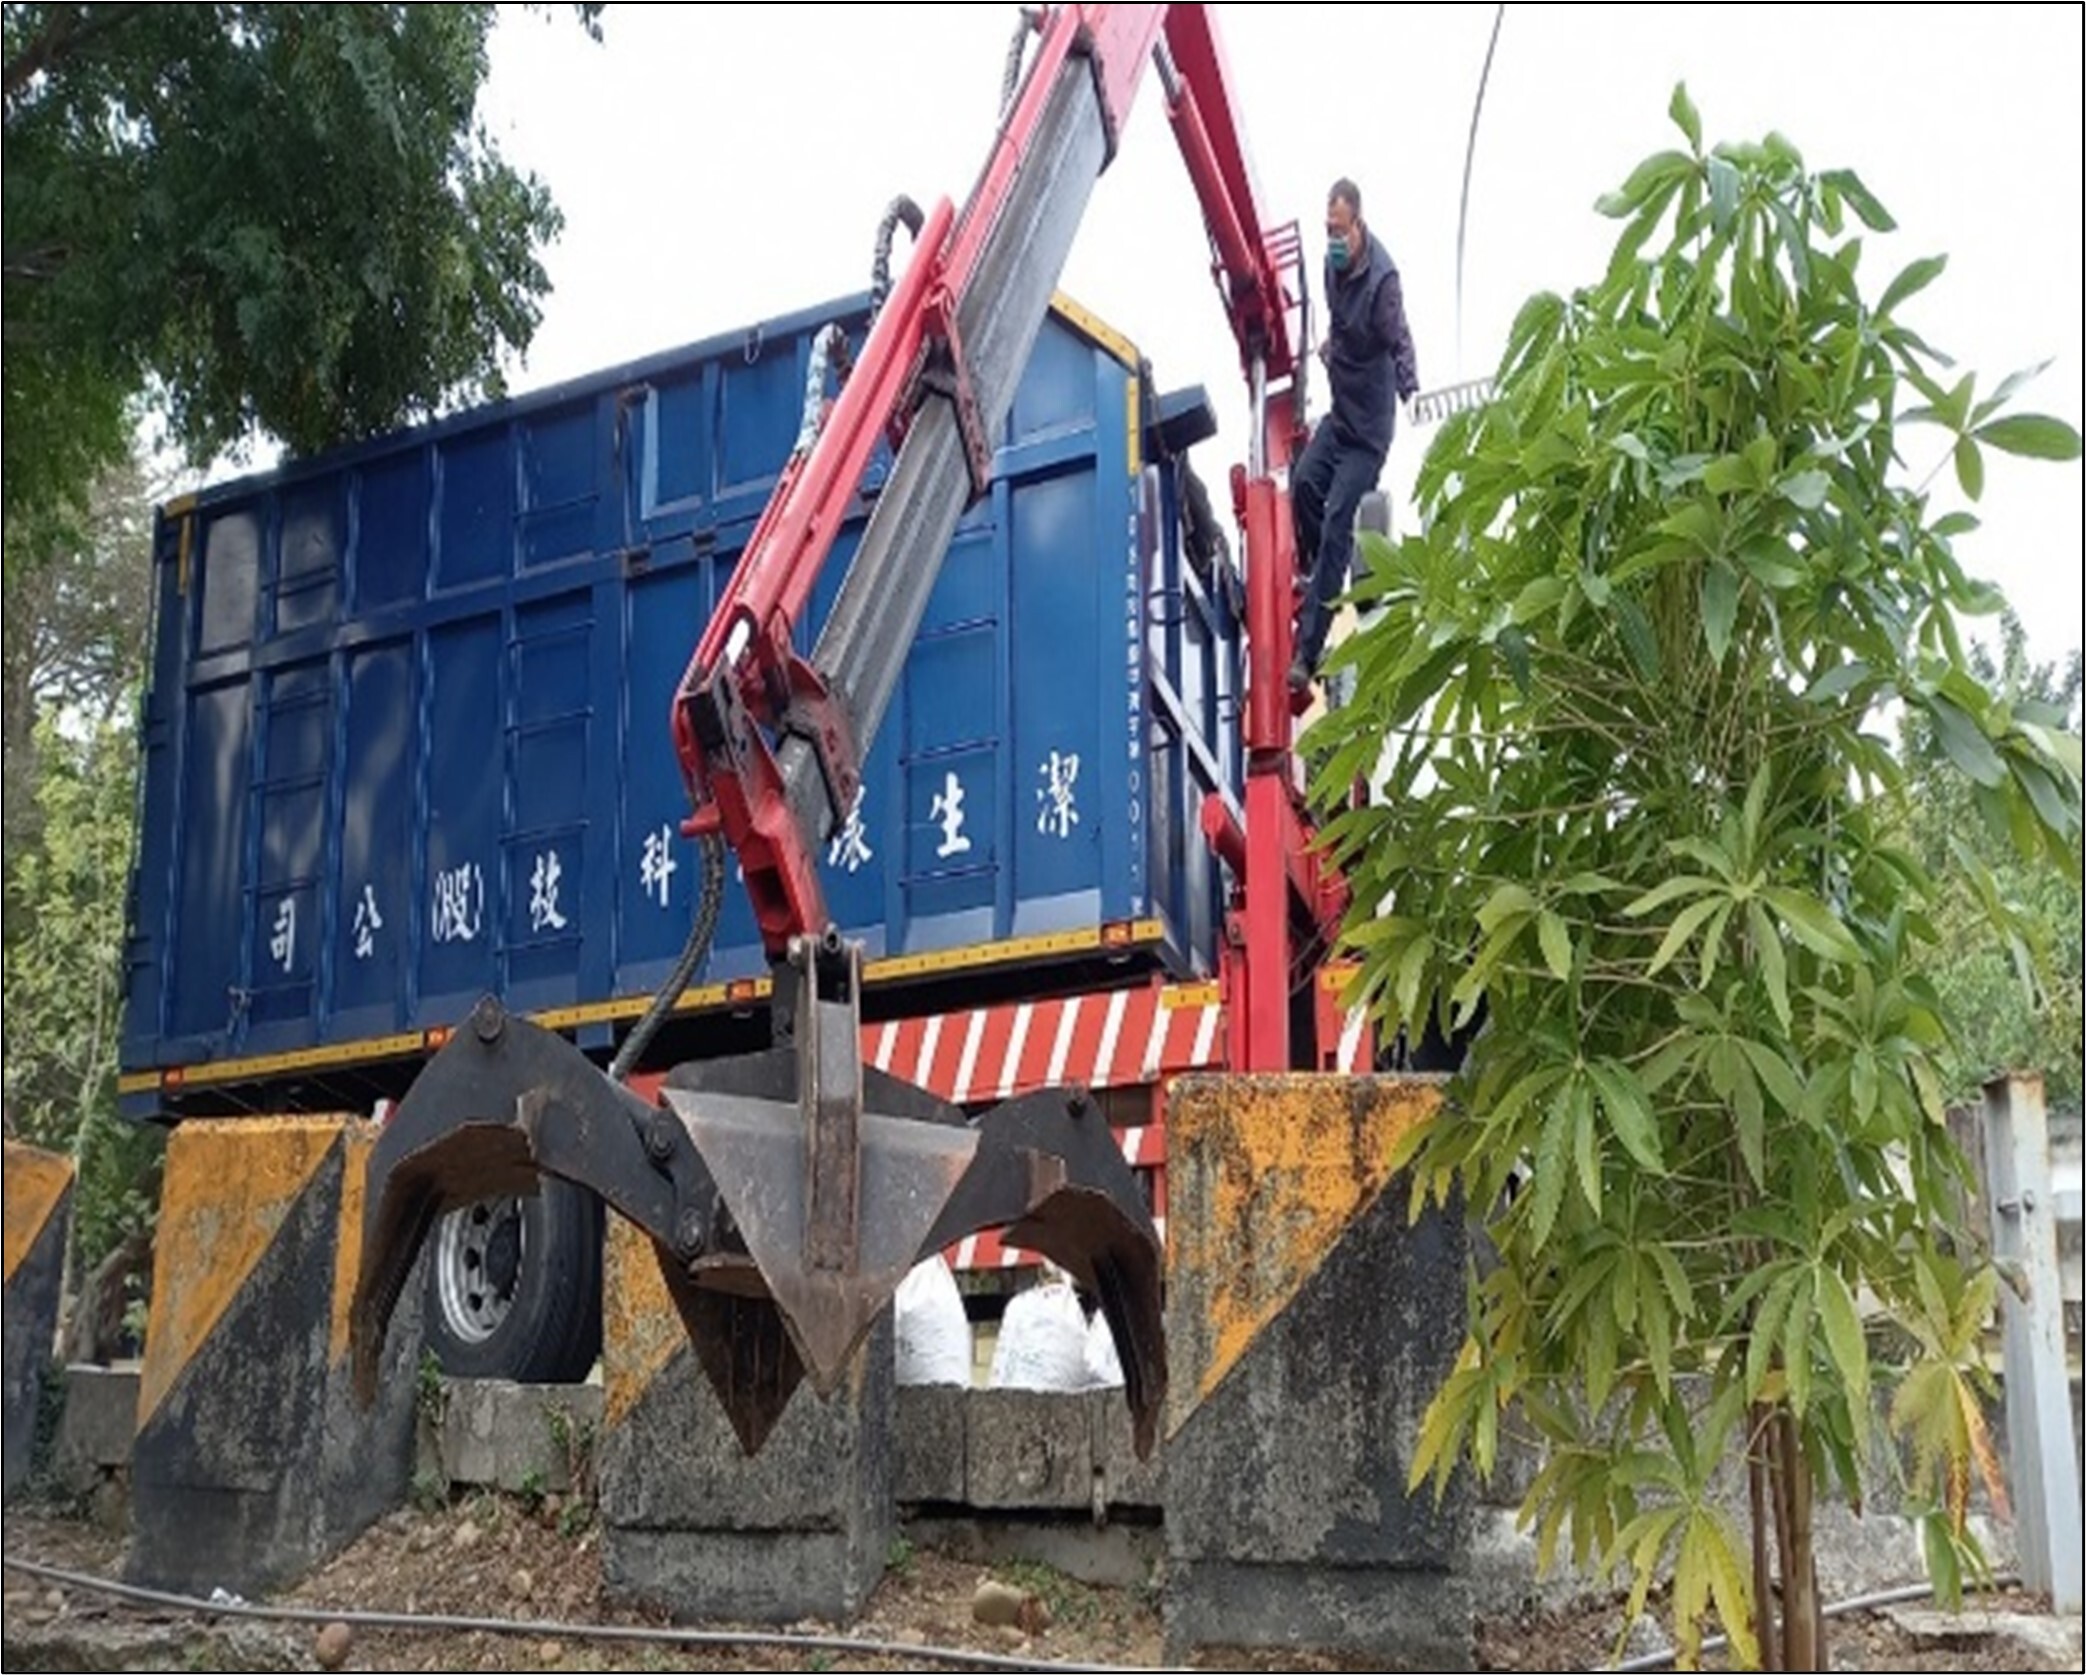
(478, 1252)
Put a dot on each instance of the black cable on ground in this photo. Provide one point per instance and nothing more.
(952, 1656)
(1907, 1595)
(426, 1622)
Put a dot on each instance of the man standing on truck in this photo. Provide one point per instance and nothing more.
(1371, 367)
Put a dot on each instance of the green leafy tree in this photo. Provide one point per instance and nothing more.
(77, 616)
(74, 643)
(278, 216)
(1619, 695)
(64, 976)
(2007, 963)
(77, 595)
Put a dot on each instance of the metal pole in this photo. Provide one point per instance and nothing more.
(2038, 1396)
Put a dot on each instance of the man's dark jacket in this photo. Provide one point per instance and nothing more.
(1369, 356)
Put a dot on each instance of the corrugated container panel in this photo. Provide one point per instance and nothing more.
(407, 737)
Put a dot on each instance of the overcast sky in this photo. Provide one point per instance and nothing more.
(718, 164)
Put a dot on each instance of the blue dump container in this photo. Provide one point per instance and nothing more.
(407, 738)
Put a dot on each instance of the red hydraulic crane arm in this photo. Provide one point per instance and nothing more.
(745, 680)
(1288, 899)
(773, 581)
(771, 586)
(1259, 272)
(1116, 43)
(746, 672)
(770, 742)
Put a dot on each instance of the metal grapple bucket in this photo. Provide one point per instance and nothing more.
(786, 1193)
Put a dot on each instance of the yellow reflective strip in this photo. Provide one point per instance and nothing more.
(632, 1006)
(303, 1058)
(599, 1012)
(1086, 320)
(1090, 941)
(1192, 994)
(1138, 933)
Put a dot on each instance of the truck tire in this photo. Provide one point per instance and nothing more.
(514, 1287)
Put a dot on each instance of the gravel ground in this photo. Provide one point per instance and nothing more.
(539, 1562)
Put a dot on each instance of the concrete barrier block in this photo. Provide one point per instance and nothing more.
(517, 1436)
(1029, 1449)
(1427, 1617)
(38, 1212)
(253, 1462)
(690, 1523)
(97, 1428)
(930, 1423)
(1125, 1480)
(1308, 1325)
(1127, 1555)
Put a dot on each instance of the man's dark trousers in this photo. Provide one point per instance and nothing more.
(1326, 489)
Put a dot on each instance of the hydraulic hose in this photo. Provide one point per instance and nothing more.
(1010, 81)
(828, 351)
(901, 209)
(701, 934)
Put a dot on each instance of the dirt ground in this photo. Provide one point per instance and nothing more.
(539, 1561)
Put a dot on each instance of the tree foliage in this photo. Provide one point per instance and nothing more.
(2007, 962)
(77, 594)
(1620, 698)
(64, 977)
(278, 216)
(74, 637)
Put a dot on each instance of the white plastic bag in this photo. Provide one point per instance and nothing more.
(1042, 1344)
(1104, 1368)
(933, 1332)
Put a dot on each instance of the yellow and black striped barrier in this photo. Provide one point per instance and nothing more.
(1309, 1321)
(38, 1211)
(253, 1462)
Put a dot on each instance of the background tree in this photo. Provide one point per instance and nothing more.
(64, 988)
(279, 217)
(77, 592)
(2013, 991)
(255, 218)
(1619, 699)
(74, 641)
